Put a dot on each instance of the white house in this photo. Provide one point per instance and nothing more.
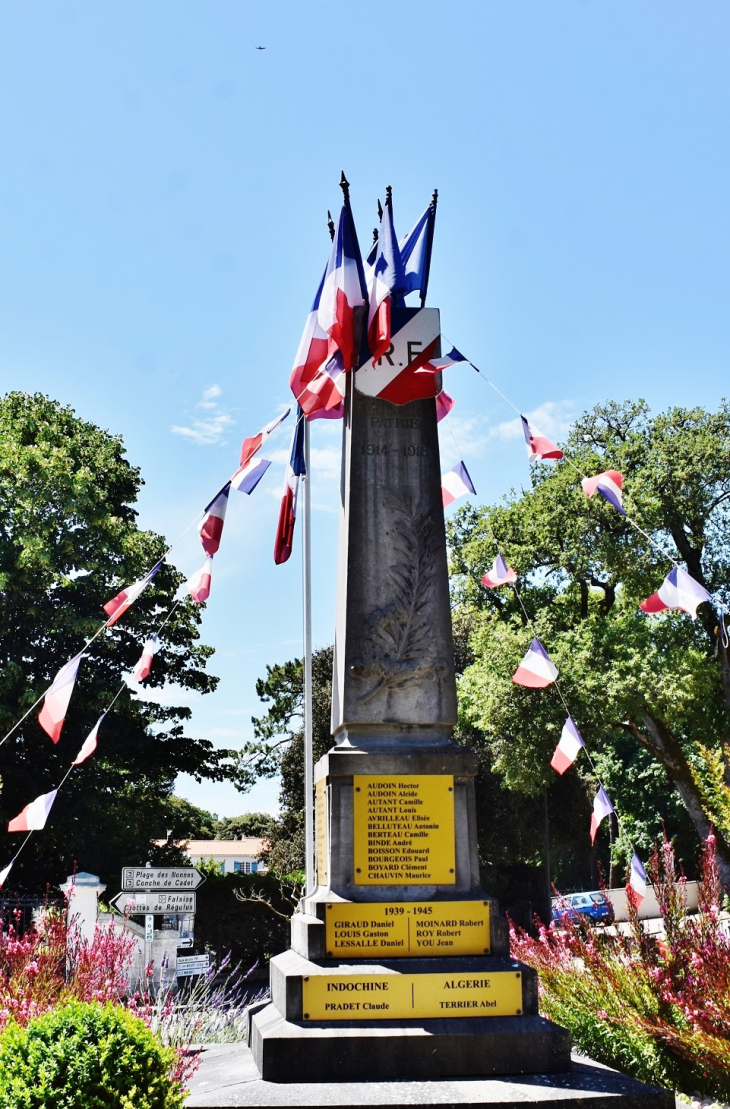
(234, 855)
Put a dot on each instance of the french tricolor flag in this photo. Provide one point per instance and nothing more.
(342, 290)
(415, 252)
(198, 586)
(436, 365)
(253, 444)
(387, 279)
(34, 816)
(210, 527)
(314, 389)
(288, 511)
(444, 404)
(536, 671)
(144, 665)
(456, 483)
(89, 745)
(500, 574)
(538, 447)
(609, 484)
(637, 880)
(123, 600)
(602, 808)
(678, 590)
(247, 477)
(55, 703)
(568, 748)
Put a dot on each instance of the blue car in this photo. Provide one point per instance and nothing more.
(588, 908)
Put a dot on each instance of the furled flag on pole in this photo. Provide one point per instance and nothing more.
(444, 404)
(609, 484)
(678, 590)
(253, 444)
(536, 670)
(4, 873)
(34, 816)
(387, 281)
(602, 808)
(637, 879)
(500, 574)
(315, 387)
(55, 703)
(342, 289)
(89, 745)
(123, 600)
(210, 527)
(198, 586)
(568, 748)
(144, 665)
(288, 511)
(538, 447)
(415, 252)
(456, 483)
(247, 478)
(327, 347)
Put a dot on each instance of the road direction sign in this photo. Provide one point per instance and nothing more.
(154, 902)
(149, 928)
(161, 878)
(187, 965)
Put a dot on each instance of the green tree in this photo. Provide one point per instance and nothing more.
(278, 748)
(68, 542)
(185, 820)
(644, 691)
(256, 825)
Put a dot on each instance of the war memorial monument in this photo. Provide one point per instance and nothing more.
(399, 968)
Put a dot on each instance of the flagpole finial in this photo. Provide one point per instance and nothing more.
(375, 236)
(330, 225)
(435, 198)
(388, 194)
(345, 186)
(380, 209)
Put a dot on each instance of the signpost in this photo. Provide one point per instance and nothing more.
(188, 965)
(161, 878)
(155, 903)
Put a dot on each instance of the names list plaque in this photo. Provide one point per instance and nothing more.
(404, 830)
(362, 929)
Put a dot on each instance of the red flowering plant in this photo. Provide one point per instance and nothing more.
(48, 964)
(658, 1009)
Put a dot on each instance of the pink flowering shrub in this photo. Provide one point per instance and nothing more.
(50, 965)
(656, 1009)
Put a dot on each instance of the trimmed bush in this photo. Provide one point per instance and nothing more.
(86, 1056)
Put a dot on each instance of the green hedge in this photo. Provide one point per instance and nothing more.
(86, 1056)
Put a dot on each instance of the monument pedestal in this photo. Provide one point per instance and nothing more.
(399, 968)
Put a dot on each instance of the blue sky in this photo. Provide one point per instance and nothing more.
(162, 231)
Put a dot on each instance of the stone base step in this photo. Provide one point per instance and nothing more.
(289, 1051)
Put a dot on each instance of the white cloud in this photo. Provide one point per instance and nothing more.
(553, 419)
(210, 429)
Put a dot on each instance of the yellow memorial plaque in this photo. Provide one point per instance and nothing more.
(404, 830)
(320, 824)
(356, 930)
(393, 996)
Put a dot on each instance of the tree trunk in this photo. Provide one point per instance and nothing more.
(666, 749)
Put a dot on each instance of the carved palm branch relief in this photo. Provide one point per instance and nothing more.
(398, 640)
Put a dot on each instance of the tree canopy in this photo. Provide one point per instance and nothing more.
(648, 693)
(69, 541)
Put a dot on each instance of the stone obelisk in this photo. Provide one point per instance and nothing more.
(399, 965)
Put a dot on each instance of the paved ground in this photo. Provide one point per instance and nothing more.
(228, 1077)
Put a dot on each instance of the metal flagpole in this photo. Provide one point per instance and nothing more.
(307, 591)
